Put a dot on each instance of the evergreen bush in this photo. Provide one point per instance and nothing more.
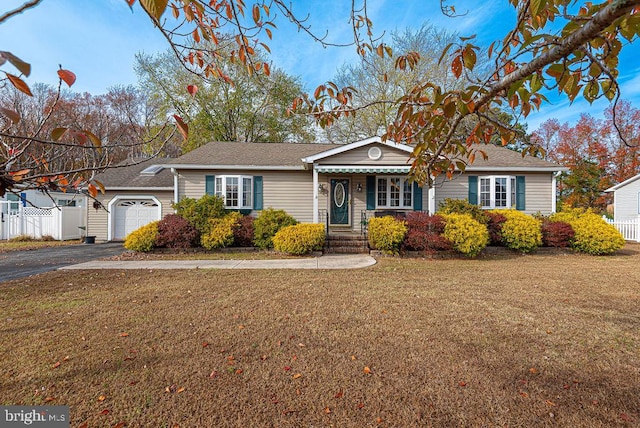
(299, 239)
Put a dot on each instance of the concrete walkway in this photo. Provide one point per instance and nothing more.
(323, 262)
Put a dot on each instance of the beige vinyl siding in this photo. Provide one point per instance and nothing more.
(291, 191)
(98, 220)
(626, 201)
(538, 194)
(359, 156)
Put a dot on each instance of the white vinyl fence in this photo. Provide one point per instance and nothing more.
(62, 223)
(630, 229)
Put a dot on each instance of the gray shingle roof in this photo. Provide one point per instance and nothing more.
(501, 157)
(251, 154)
(124, 175)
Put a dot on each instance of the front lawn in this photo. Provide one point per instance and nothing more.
(8, 246)
(537, 340)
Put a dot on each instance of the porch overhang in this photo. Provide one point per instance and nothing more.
(361, 169)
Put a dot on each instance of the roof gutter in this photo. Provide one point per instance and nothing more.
(237, 167)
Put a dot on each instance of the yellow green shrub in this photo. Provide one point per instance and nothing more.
(520, 231)
(142, 239)
(593, 235)
(468, 236)
(386, 234)
(219, 231)
(299, 239)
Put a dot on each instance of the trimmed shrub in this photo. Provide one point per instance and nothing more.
(268, 223)
(176, 232)
(496, 220)
(198, 211)
(462, 206)
(593, 235)
(557, 234)
(386, 234)
(424, 233)
(467, 235)
(520, 231)
(243, 232)
(299, 239)
(142, 239)
(219, 232)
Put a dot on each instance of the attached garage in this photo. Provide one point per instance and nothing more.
(131, 214)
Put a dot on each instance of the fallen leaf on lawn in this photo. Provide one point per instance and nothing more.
(66, 358)
(297, 375)
(124, 334)
(287, 368)
(213, 374)
(181, 390)
(239, 371)
(549, 332)
(295, 357)
(133, 382)
(56, 365)
(49, 399)
(105, 412)
(205, 344)
(302, 345)
(102, 398)
(353, 358)
(594, 402)
(625, 417)
(339, 394)
(264, 357)
(462, 384)
(379, 420)
(566, 386)
(524, 394)
(550, 403)
(240, 326)
(367, 370)
(84, 425)
(119, 425)
(523, 381)
(533, 370)
(360, 405)
(327, 410)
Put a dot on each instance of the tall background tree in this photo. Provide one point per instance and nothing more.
(599, 153)
(252, 109)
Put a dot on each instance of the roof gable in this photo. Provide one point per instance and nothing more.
(623, 184)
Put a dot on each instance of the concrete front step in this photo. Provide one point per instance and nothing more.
(346, 244)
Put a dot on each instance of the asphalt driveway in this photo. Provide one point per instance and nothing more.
(19, 264)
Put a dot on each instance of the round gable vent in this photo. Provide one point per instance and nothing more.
(375, 153)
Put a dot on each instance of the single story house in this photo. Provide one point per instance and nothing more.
(338, 185)
(626, 199)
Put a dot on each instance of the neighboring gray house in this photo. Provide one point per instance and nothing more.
(626, 199)
(339, 185)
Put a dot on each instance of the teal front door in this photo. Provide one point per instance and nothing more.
(339, 201)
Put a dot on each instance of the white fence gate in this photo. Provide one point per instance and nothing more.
(630, 229)
(62, 223)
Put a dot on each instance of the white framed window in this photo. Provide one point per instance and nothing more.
(394, 192)
(497, 192)
(236, 190)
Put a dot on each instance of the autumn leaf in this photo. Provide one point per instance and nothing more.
(192, 89)
(19, 84)
(124, 334)
(105, 412)
(56, 365)
(533, 370)
(67, 77)
(23, 67)
(181, 389)
(456, 67)
(297, 375)
(339, 394)
(205, 344)
(102, 398)
(367, 370)
(462, 384)
(182, 127)
(120, 425)
(12, 115)
(327, 410)
(154, 7)
(49, 399)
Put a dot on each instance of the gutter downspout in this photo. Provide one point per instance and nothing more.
(175, 186)
(554, 191)
(315, 194)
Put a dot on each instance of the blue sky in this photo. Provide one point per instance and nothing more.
(98, 39)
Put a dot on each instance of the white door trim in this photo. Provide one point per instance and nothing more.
(118, 198)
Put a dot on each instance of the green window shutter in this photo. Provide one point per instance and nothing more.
(520, 193)
(473, 189)
(257, 192)
(210, 184)
(417, 197)
(371, 192)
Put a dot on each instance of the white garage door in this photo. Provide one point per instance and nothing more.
(131, 214)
